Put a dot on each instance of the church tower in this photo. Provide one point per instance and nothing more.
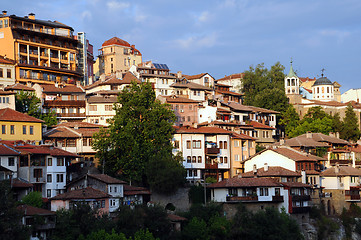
(292, 86)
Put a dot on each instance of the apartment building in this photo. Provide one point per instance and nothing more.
(44, 51)
(85, 58)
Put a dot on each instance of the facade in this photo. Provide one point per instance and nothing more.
(351, 95)
(204, 79)
(117, 56)
(233, 80)
(7, 72)
(7, 99)
(44, 51)
(19, 126)
(323, 90)
(85, 58)
(9, 160)
(187, 89)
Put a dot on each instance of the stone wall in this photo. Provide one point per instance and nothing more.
(179, 199)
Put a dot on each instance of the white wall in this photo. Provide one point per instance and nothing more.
(272, 158)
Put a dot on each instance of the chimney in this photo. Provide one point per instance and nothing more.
(179, 74)
(309, 135)
(265, 167)
(31, 16)
(5, 12)
(337, 134)
(331, 134)
(303, 176)
(282, 141)
(337, 168)
(255, 170)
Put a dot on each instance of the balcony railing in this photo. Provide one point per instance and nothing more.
(212, 150)
(71, 115)
(301, 209)
(64, 103)
(211, 166)
(353, 197)
(343, 162)
(242, 199)
(301, 198)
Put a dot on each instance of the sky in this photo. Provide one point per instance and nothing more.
(221, 37)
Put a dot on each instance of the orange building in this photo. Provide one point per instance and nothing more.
(44, 51)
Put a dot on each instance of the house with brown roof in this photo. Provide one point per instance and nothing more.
(204, 79)
(223, 93)
(74, 137)
(135, 195)
(233, 80)
(341, 188)
(96, 199)
(7, 71)
(9, 159)
(184, 88)
(19, 126)
(7, 99)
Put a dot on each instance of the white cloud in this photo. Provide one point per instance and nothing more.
(195, 41)
(204, 17)
(86, 15)
(339, 35)
(117, 5)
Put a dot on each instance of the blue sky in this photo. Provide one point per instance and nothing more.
(221, 37)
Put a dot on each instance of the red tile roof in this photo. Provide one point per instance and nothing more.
(232, 76)
(177, 99)
(258, 125)
(127, 78)
(238, 107)
(204, 130)
(32, 211)
(242, 136)
(7, 151)
(272, 172)
(229, 93)
(294, 154)
(85, 193)
(10, 115)
(20, 183)
(5, 60)
(115, 41)
(24, 148)
(192, 77)
(342, 171)
(62, 89)
(106, 179)
(245, 182)
(190, 85)
(80, 125)
(61, 132)
(132, 190)
(295, 185)
(10, 92)
(19, 86)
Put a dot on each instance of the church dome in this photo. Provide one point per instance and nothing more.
(322, 81)
(115, 41)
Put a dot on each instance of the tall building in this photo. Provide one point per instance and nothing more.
(85, 58)
(117, 55)
(44, 51)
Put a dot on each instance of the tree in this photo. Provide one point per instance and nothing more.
(27, 102)
(10, 217)
(350, 129)
(290, 119)
(33, 199)
(138, 137)
(196, 229)
(337, 123)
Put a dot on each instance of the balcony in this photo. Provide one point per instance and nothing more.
(352, 197)
(301, 209)
(301, 198)
(277, 198)
(64, 103)
(212, 151)
(211, 166)
(242, 199)
(341, 162)
(71, 115)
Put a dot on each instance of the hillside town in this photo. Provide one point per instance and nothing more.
(234, 151)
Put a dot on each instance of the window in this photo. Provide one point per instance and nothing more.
(3, 129)
(1, 23)
(11, 161)
(110, 189)
(189, 118)
(8, 75)
(60, 162)
(115, 189)
(188, 159)
(263, 191)
(197, 144)
(236, 143)
(236, 157)
(194, 159)
(176, 144)
(6, 22)
(221, 159)
(1, 73)
(50, 162)
(38, 173)
(71, 142)
(85, 141)
(190, 107)
(225, 159)
(190, 173)
(49, 178)
(24, 129)
(31, 130)
(48, 193)
(108, 107)
(59, 178)
(225, 144)
(220, 144)
(102, 204)
(92, 107)
(199, 159)
(188, 144)
(12, 129)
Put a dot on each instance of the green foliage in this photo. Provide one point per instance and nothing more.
(268, 224)
(350, 129)
(143, 235)
(325, 226)
(265, 88)
(259, 148)
(28, 102)
(196, 194)
(211, 180)
(290, 120)
(196, 229)
(219, 228)
(102, 234)
(139, 137)
(337, 123)
(347, 221)
(10, 217)
(33, 199)
(204, 212)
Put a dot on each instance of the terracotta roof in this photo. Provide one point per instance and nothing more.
(115, 41)
(258, 125)
(272, 172)
(5, 60)
(357, 148)
(7, 151)
(312, 172)
(32, 211)
(84, 193)
(295, 184)
(102, 99)
(127, 78)
(61, 132)
(320, 137)
(242, 136)
(245, 182)
(294, 154)
(303, 141)
(24, 148)
(223, 110)
(106, 179)
(80, 125)
(177, 99)
(20, 183)
(8, 114)
(132, 190)
(262, 110)
(221, 123)
(62, 89)
(229, 93)
(190, 85)
(10, 92)
(238, 107)
(202, 130)
(19, 86)
(192, 77)
(232, 76)
(343, 171)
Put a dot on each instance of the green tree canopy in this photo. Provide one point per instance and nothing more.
(28, 102)
(138, 138)
(33, 199)
(350, 128)
(290, 120)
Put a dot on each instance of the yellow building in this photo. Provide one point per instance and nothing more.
(117, 56)
(242, 147)
(15, 125)
(44, 51)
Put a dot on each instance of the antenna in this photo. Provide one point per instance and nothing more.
(322, 70)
